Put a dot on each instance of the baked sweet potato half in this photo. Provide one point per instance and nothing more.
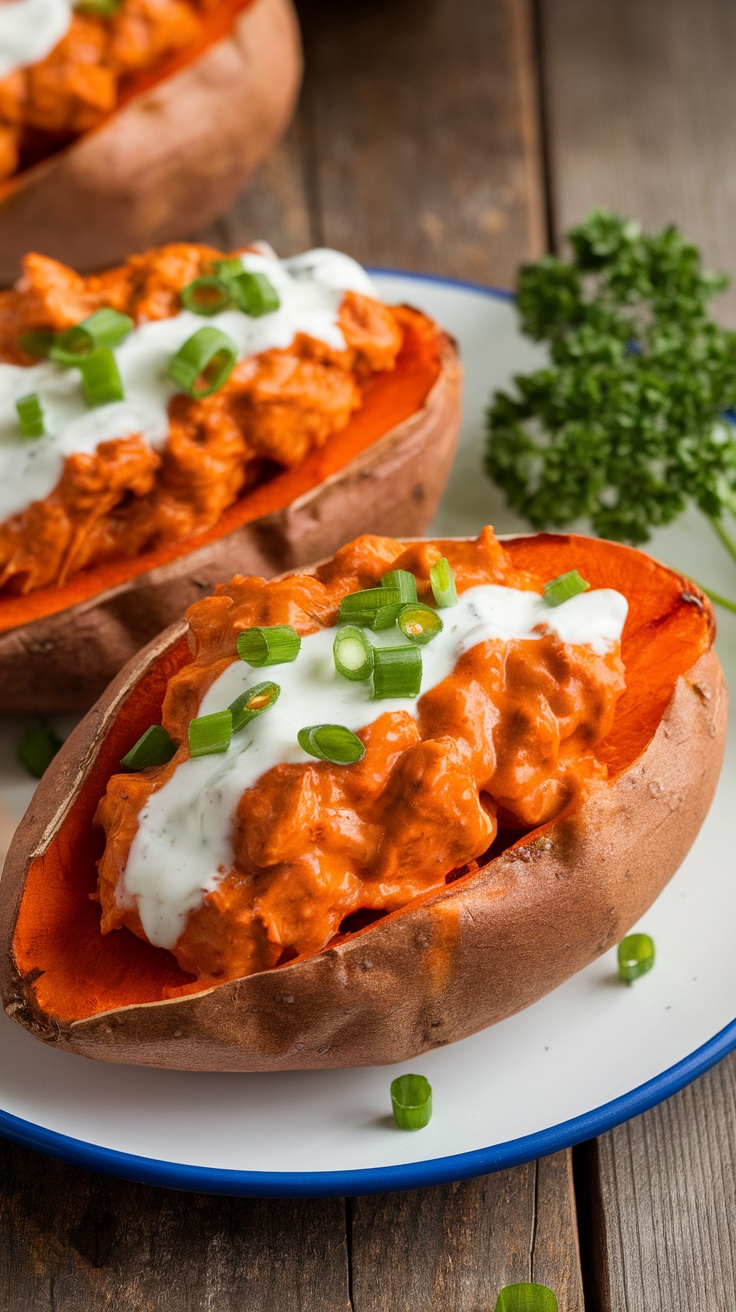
(493, 839)
(340, 415)
(140, 125)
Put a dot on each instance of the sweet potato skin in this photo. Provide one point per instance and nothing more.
(489, 945)
(170, 160)
(392, 487)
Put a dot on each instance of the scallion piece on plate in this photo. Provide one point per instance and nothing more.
(37, 342)
(419, 623)
(411, 1100)
(100, 8)
(564, 587)
(154, 747)
(331, 742)
(254, 294)
(363, 607)
(353, 653)
(635, 957)
(105, 328)
(397, 671)
(204, 362)
(442, 581)
(254, 701)
(226, 270)
(30, 414)
(206, 295)
(38, 748)
(526, 1297)
(404, 581)
(210, 734)
(101, 378)
(274, 644)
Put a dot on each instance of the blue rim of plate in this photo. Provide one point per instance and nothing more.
(379, 1179)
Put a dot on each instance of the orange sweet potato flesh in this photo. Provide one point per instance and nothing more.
(75, 972)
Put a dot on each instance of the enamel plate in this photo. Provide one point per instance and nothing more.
(587, 1056)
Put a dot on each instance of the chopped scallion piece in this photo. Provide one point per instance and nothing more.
(419, 623)
(564, 587)
(154, 747)
(411, 1099)
(204, 362)
(206, 295)
(38, 748)
(30, 414)
(274, 644)
(353, 653)
(526, 1297)
(635, 957)
(404, 581)
(254, 294)
(105, 328)
(254, 701)
(226, 270)
(100, 8)
(397, 671)
(210, 734)
(442, 581)
(362, 607)
(101, 378)
(331, 742)
(37, 342)
(385, 617)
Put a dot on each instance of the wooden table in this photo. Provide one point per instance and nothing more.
(457, 137)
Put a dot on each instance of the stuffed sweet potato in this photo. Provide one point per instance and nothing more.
(135, 121)
(306, 864)
(321, 412)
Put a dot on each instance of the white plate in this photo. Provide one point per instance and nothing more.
(590, 1054)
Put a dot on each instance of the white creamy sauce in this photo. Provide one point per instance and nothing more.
(184, 842)
(311, 289)
(29, 30)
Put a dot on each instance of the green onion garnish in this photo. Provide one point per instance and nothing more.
(274, 644)
(154, 747)
(526, 1297)
(564, 587)
(37, 342)
(254, 294)
(331, 742)
(397, 671)
(105, 328)
(100, 8)
(226, 270)
(30, 414)
(635, 957)
(210, 734)
(404, 581)
(101, 378)
(363, 607)
(204, 362)
(206, 295)
(353, 653)
(411, 1099)
(442, 581)
(418, 623)
(254, 701)
(38, 748)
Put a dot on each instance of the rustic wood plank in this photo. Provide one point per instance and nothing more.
(455, 1246)
(71, 1241)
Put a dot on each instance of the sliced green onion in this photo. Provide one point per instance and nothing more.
(362, 607)
(635, 957)
(564, 587)
(206, 295)
(404, 581)
(101, 378)
(331, 742)
(254, 701)
(226, 270)
(100, 8)
(37, 342)
(154, 747)
(30, 414)
(204, 362)
(210, 734)
(385, 617)
(442, 581)
(526, 1297)
(397, 671)
(274, 644)
(419, 623)
(411, 1099)
(105, 328)
(38, 748)
(353, 653)
(254, 294)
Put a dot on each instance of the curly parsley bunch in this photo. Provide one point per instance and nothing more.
(625, 425)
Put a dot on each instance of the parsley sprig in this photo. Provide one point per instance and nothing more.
(627, 423)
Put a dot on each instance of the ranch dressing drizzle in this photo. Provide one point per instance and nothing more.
(184, 843)
(311, 288)
(29, 30)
